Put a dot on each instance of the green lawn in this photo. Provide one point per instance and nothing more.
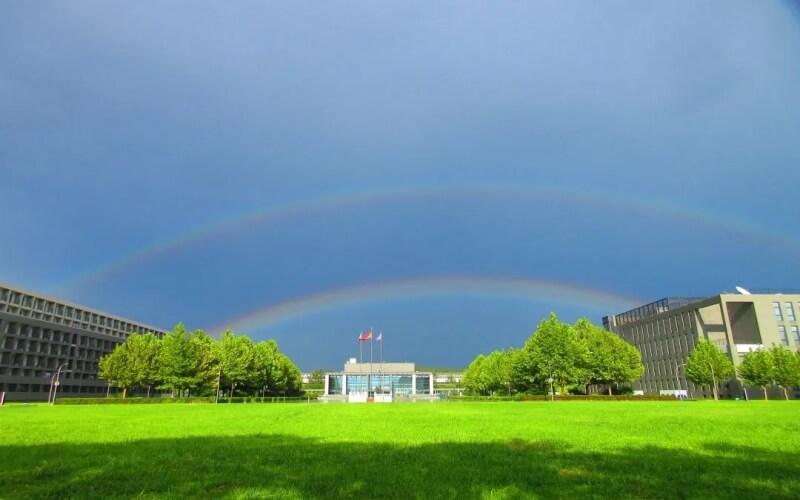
(424, 450)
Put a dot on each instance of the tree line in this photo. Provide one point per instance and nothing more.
(194, 363)
(557, 355)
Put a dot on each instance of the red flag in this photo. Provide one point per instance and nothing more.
(368, 335)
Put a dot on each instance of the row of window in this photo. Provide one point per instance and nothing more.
(86, 372)
(27, 334)
(785, 338)
(48, 310)
(788, 306)
(62, 389)
(677, 323)
(667, 347)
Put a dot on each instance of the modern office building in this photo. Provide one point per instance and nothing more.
(666, 331)
(39, 334)
(397, 379)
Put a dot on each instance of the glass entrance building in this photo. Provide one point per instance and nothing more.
(398, 379)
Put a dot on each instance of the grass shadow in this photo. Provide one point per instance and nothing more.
(280, 466)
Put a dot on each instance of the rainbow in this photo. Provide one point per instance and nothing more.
(491, 192)
(426, 287)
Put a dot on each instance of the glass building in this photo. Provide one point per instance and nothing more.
(397, 379)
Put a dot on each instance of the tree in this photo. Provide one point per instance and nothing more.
(291, 376)
(707, 365)
(552, 352)
(489, 374)
(317, 376)
(758, 368)
(177, 362)
(115, 367)
(786, 368)
(609, 359)
(235, 355)
(203, 350)
(474, 378)
(143, 359)
(264, 369)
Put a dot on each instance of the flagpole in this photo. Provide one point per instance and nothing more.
(360, 357)
(371, 342)
(382, 388)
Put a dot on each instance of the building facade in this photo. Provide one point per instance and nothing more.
(666, 331)
(39, 334)
(397, 379)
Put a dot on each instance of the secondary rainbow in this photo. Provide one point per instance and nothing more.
(492, 192)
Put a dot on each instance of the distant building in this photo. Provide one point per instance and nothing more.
(397, 379)
(38, 334)
(666, 331)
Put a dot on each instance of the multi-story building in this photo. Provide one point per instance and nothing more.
(39, 334)
(666, 331)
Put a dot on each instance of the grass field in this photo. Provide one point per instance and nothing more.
(440, 450)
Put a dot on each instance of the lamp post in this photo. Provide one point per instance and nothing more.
(57, 382)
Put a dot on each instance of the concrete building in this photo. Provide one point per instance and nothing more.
(39, 334)
(397, 379)
(666, 331)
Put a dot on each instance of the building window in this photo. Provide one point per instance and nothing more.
(784, 338)
(776, 306)
(789, 311)
(796, 335)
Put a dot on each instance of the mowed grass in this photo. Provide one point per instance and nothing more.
(422, 450)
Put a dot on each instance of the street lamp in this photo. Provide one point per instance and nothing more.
(57, 382)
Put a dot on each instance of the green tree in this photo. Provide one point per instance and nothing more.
(264, 366)
(316, 379)
(474, 378)
(143, 359)
(115, 368)
(787, 368)
(291, 376)
(177, 363)
(236, 356)
(609, 359)
(707, 365)
(758, 368)
(317, 376)
(555, 352)
(203, 350)
(490, 374)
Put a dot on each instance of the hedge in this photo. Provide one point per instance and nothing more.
(571, 397)
(168, 400)
(131, 401)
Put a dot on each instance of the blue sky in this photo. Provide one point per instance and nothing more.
(626, 151)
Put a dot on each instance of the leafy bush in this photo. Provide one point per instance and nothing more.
(571, 397)
(131, 401)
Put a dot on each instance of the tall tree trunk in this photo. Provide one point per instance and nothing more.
(785, 393)
(148, 391)
(764, 388)
(124, 392)
(609, 389)
(716, 392)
